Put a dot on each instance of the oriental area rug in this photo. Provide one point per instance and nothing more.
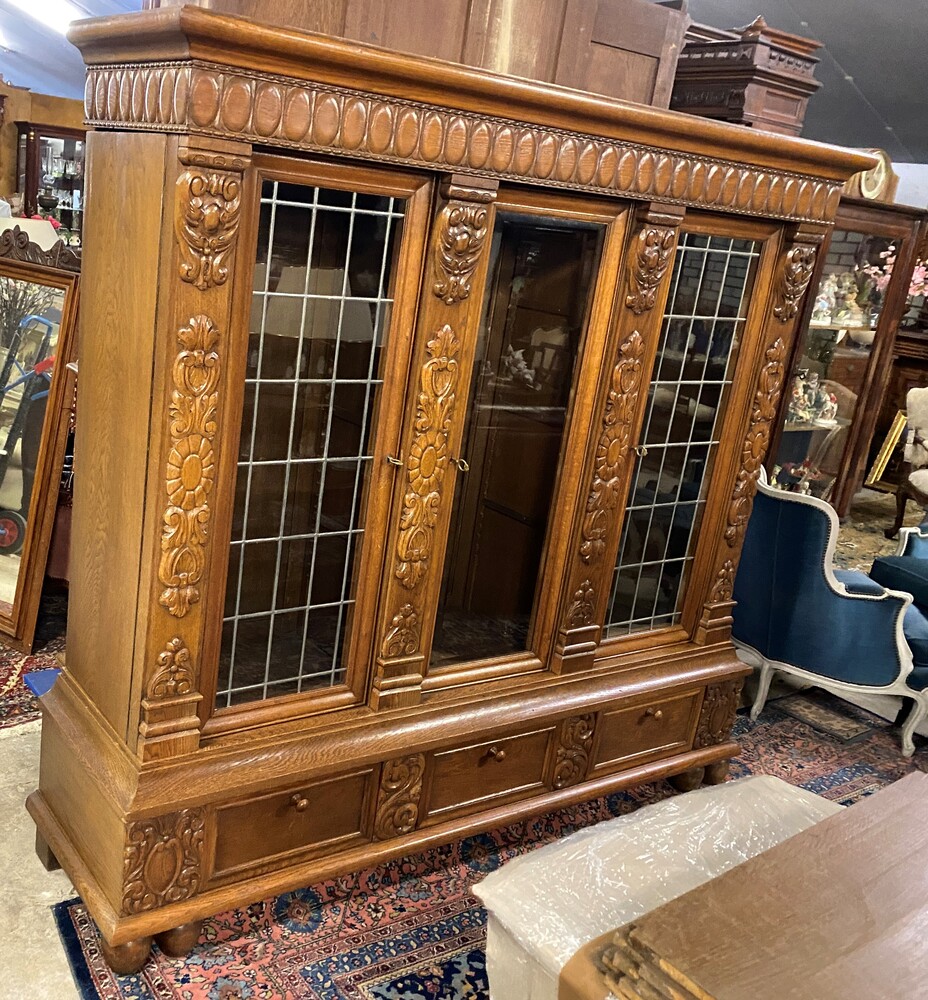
(410, 929)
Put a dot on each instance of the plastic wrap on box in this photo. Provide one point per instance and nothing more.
(545, 905)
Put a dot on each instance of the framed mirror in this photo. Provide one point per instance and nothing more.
(38, 321)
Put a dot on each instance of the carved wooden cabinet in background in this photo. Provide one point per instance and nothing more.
(420, 502)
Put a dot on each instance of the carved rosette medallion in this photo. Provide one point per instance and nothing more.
(191, 465)
(462, 232)
(769, 384)
(402, 637)
(652, 258)
(575, 741)
(794, 280)
(613, 447)
(398, 799)
(207, 224)
(428, 457)
(724, 584)
(175, 672)
(717, 715)
(163, 860)
(582, 607)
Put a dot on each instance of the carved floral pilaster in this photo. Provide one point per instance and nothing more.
(613, 446)
(191, 465)
(582, 607)
(398, 799)
(724, 584)
(795, 276)
(652, 258)
(428, 457)
(207, 224)
(163, 860)
(462, 232)
(717, 715)
(769, 384)
(572, 759)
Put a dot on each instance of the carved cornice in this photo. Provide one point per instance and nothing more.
(208, 99)
(572, 760)
(717, 715)
(428, 457)
(613, 447)
(402, 637)
(769, 384)
(175, 673)
(795, 276)
(207, 222)
(16, 245)
(398, 799)
(191, 466)
(462, 232)
(163, 860)
(651, 260)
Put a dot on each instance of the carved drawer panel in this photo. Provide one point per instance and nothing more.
(307, 819)
(483, 775)
(630, 736)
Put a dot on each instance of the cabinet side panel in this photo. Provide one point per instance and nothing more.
(117, 321)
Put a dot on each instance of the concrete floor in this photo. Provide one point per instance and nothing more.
(33, 965)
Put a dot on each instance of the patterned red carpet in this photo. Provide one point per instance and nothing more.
(17, 704)
(411, 930)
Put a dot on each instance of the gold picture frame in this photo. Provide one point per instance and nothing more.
(890, 443)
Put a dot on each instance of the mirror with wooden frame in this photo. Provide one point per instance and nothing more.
(38, 316)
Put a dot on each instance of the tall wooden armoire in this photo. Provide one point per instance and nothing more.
(421, 413)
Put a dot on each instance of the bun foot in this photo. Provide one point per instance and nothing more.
(688, 780)
(126, 959)
(178, 941)
(717, 773)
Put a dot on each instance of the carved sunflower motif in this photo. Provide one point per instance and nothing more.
(190, 471)
(427, 459)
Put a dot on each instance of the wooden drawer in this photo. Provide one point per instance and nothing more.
(306, 819)
(630, 736)
(482, 775)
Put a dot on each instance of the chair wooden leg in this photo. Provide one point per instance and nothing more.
(902, 494)
(917, 715)
(765, 671)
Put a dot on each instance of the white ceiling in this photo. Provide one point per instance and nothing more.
(873, 69)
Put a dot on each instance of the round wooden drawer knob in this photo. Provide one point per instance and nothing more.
(655, 713)
(299, 802)
(496, 753)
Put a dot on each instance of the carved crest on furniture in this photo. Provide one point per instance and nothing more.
(461, 236)
(724, 583)
(402, 638)
(210, 203)
(15, 244)
(175, 672)
(575, 742)
(582, 607)
(652, 258)
(717, 715)
(398, 799)
(797, 273)
(163, 860)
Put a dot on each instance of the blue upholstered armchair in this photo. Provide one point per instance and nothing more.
(838, 629)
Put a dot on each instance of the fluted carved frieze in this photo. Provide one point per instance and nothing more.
(198, 97)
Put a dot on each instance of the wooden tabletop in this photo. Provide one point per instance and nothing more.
(838, 911)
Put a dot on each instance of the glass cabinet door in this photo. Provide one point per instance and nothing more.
(320, 329)
(833, 364)
(539, 290)
(702, 332)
